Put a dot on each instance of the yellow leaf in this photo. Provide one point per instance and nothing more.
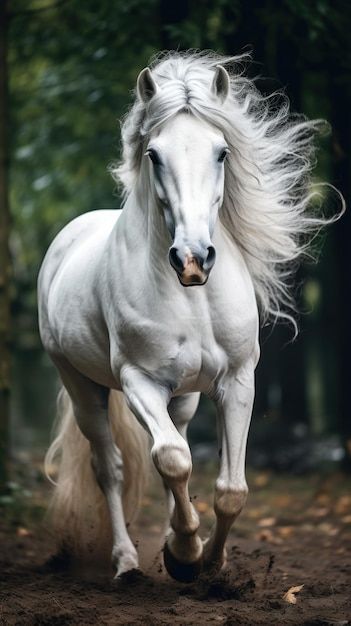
(267, 522)
(23, 532)
(266, 535)
(285, 531)
(343, 505)
(289, 596)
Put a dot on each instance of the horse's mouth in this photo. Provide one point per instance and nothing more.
(191, 273)
(193, 280)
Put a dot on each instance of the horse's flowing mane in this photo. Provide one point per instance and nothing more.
(269, 206)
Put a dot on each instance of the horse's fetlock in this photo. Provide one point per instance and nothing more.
(187, 526)
(229, 501)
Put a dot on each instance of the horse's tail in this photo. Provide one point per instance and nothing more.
(78, 509)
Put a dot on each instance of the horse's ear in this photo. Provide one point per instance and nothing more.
(146, 85)
(221, 83)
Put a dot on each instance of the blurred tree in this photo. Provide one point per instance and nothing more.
(171, 15)
(340, 94)
(66, 90)
(71, 68)
(4, 254)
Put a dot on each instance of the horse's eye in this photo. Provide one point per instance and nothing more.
(153, 156)
(223, 155)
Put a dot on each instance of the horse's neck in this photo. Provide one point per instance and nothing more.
(144, 230)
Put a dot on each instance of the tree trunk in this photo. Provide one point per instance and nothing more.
(340, 93)
(4, 256)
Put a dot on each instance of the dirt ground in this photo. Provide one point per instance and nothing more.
(294, 532)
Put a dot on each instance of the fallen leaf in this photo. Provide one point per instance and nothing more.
(319, 512)
(328, 529)
(254, 513)
(267, 522)
(289, 596)
(285, 531)
(266, 535)
(343, 505)
(23, 532)
(346, 519)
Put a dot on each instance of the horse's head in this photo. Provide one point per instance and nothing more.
(187, 158)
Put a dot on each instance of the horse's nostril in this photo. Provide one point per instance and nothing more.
(175, 260)
(211, 257)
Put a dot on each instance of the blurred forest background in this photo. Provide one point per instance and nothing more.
(67, 69)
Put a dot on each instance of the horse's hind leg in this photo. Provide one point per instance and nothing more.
(90, 403)
(234, 414)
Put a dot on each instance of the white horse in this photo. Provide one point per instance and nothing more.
(152, 305)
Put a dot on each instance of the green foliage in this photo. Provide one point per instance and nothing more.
(72, 67)
(71, 70)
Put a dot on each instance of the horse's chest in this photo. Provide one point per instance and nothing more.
(185, 355)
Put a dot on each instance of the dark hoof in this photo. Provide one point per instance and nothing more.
(183, 572)
(132, 576)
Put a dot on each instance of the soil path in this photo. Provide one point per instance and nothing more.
(290, 535)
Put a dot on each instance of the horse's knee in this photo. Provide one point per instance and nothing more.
(229, 500)
(173, 461)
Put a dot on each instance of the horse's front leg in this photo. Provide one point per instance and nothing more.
(181, 410)
(172, 458)
(234, 405)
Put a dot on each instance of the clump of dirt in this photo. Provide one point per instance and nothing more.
(233, 583)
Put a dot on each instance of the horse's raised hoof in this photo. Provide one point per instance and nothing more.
(179, 570)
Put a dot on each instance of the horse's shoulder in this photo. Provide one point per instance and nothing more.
(71, 237)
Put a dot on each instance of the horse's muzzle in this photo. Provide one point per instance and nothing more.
(194, 269)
